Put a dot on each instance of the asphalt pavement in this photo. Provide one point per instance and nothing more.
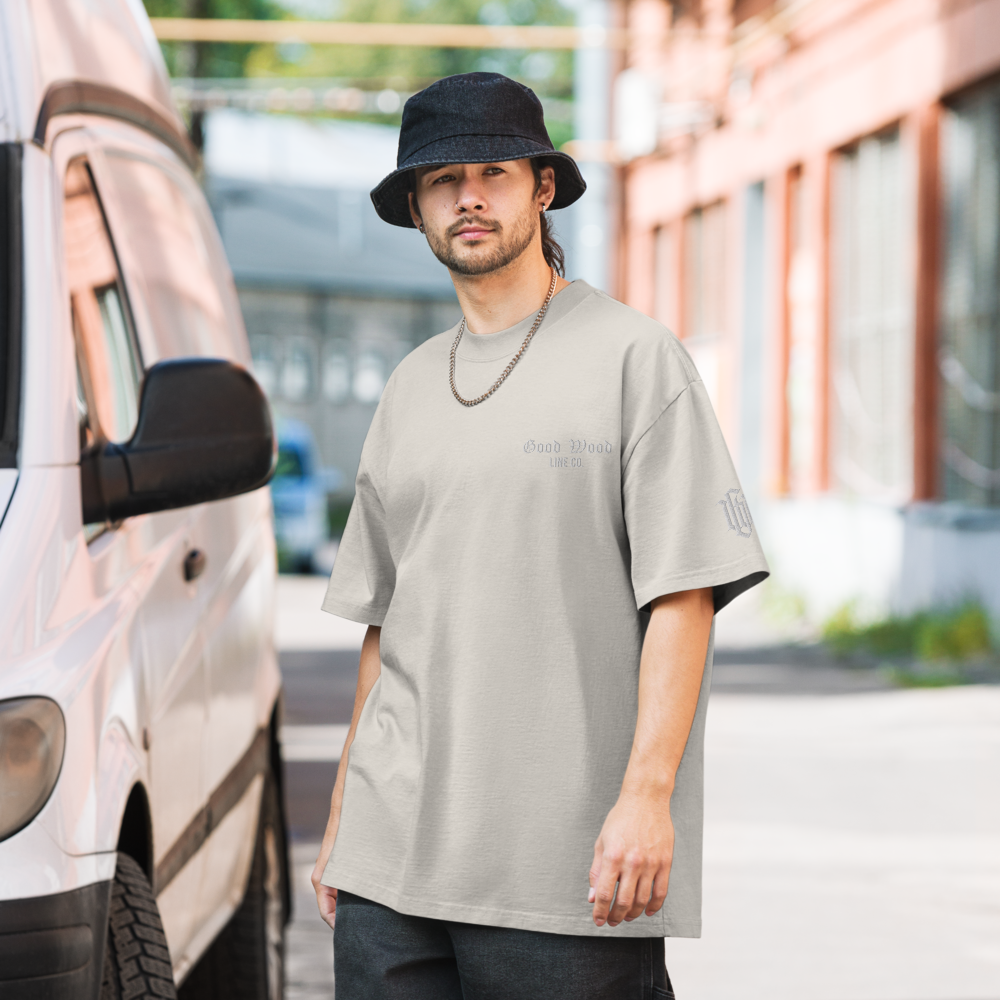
(852, 830)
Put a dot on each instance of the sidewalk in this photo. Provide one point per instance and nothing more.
(852, 849)
(852, 833)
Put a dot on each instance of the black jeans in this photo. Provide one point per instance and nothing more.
(379, 954)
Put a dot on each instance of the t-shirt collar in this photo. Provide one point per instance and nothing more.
(493, 346)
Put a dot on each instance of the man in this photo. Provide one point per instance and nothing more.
(546, 520)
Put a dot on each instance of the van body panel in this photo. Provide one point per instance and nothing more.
(48, 391)
(163, 681)
(20, 75)
(8, 480)
(223, 882)
(181, 911)
(107, 41)
(68, 631)
(35, 866)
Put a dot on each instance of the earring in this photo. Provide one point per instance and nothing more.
(421, 227)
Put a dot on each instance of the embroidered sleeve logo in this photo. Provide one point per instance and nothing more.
(734, 506)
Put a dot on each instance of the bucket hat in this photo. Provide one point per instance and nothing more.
(472, 118)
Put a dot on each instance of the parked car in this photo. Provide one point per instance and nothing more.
(142, 838)
(299, 493)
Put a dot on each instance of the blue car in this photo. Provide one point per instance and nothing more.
(299, 490)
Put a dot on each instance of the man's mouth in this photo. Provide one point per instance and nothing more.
(471, 233)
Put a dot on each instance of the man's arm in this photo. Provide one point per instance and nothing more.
(635, 848)
(368, 670)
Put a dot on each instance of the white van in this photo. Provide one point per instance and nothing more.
(142, 841)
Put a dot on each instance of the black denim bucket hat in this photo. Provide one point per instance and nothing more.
(447, 123)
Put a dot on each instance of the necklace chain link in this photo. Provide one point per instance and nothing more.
(513, 361)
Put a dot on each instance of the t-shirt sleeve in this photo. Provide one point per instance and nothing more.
(688, 522)
(364, 574)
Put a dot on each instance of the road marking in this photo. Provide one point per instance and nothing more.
(313, 743)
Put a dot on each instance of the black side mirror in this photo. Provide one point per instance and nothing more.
(204, 433)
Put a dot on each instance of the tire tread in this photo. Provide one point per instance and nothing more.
(136, 957)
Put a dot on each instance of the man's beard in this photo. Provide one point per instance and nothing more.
(509, 246)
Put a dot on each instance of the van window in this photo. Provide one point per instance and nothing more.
(107, 361)
(182, 275)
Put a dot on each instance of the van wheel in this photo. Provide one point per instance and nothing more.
(247, 960)
(136, 958)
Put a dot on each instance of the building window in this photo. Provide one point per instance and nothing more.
(336, 377)
(295, 383)
(872, 319)
(369, 377)
(265, 363)
(704, 300)
(969, 358)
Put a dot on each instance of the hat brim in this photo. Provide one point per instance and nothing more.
(391, 196)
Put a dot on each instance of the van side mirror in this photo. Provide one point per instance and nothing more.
(204, 433)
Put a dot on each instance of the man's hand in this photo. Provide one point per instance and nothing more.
(634, 852)
(636, 846)
(326, 896)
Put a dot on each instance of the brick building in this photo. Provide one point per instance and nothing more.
(811, 200)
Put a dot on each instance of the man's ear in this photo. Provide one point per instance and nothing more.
(414, 214)
(547, 185)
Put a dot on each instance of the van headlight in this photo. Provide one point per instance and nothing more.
(32, 739)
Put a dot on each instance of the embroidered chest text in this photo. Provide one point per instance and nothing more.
(570, 453)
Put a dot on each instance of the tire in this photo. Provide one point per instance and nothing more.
(136, 958)
(247, 960)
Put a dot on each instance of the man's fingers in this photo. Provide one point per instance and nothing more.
(326, 899)
(628, 880)
(659, 892)
(643, 889)
(595, 870)
(604, 890)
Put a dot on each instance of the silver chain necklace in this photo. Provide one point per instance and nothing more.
(513, 361)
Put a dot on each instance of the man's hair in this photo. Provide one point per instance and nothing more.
(552, 250)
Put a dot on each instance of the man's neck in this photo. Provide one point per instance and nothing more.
(501, 299)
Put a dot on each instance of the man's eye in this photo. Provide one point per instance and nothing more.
(442, 179)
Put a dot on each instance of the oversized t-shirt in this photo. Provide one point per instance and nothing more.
(509, 552)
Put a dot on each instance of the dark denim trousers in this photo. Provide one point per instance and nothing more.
(379, 954)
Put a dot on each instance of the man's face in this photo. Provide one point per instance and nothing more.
(479, 217)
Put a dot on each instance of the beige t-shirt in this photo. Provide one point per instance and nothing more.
(507, 551)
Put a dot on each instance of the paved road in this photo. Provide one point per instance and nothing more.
(852, 833)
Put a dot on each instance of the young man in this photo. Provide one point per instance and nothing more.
(546, 520)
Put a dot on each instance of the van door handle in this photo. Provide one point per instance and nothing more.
(194, 564)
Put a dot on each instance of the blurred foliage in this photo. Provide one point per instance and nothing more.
(406, 68)
(952, 635)
(211, 58)
(780, 605)
(402, 68)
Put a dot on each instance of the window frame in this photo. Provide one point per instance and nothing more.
(11, 302)
(135, 348)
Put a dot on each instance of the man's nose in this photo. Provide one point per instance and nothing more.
(470, 198)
